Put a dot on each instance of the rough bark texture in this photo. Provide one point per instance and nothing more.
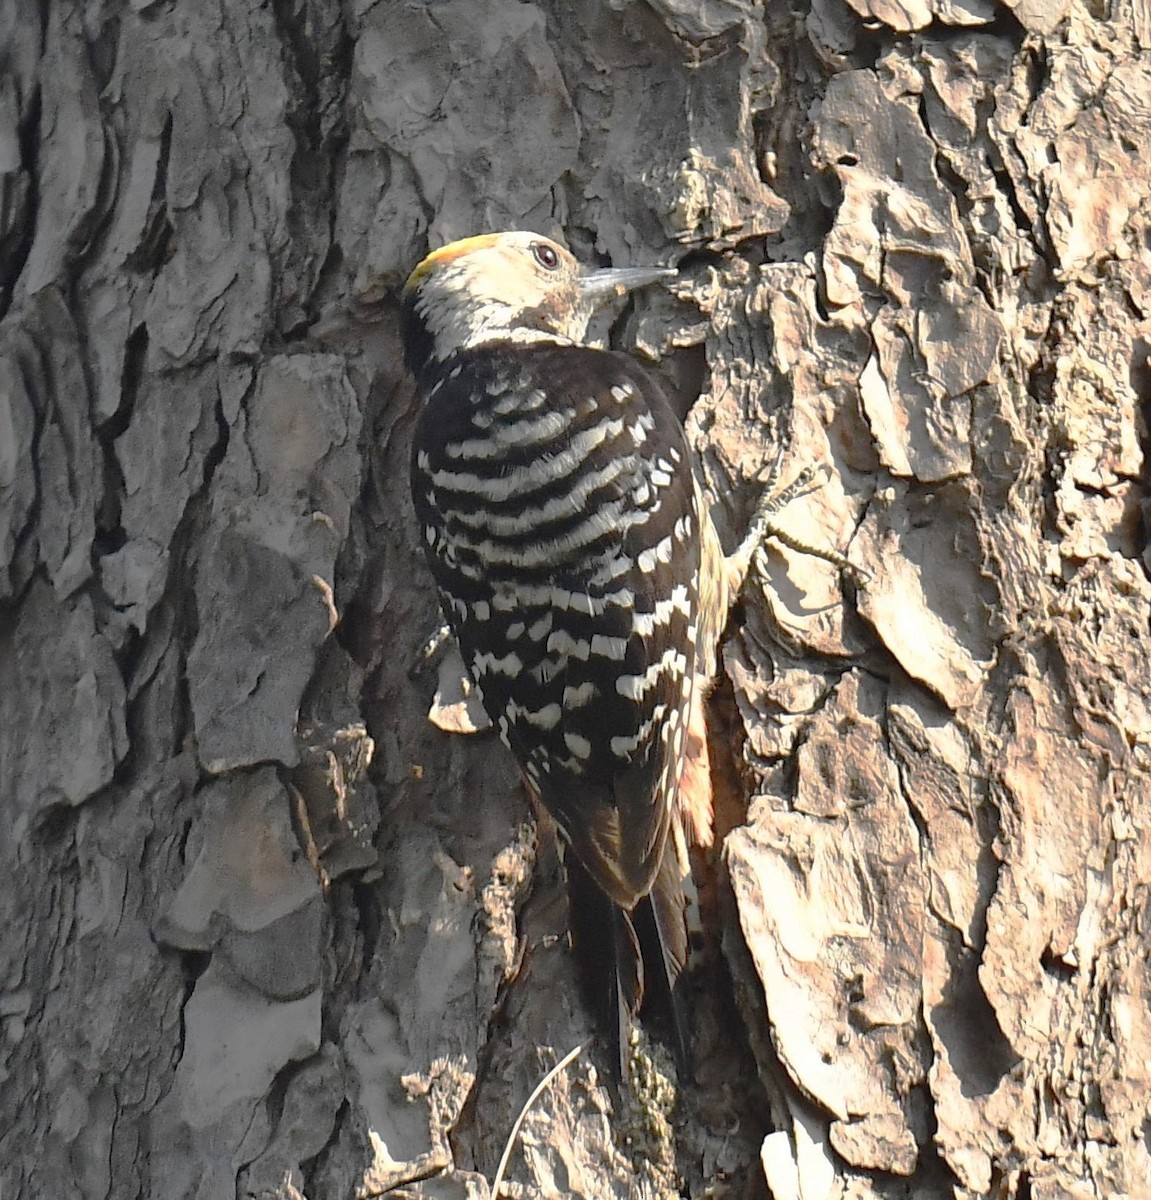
(240, 955)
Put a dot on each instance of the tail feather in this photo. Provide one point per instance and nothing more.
(661, 923)
(629, 961)
(608, 954)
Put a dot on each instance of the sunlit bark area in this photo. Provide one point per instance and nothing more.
(264, 930)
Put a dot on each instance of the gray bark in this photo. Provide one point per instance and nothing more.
(264, 931)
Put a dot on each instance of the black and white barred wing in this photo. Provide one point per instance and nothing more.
(563, 535)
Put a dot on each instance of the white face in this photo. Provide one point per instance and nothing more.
(519, 287)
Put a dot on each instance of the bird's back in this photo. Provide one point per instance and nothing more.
(554, 491)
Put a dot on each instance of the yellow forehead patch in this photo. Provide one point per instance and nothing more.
(447, 254)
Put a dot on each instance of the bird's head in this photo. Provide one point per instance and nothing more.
(505, 287)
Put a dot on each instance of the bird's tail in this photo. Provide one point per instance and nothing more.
(631, 962)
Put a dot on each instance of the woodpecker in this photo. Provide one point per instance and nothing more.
(580, 573)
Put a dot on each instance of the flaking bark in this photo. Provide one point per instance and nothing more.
(264, 931)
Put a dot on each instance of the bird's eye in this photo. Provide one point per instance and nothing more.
(545, 255)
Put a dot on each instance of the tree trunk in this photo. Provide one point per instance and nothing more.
(266, 931)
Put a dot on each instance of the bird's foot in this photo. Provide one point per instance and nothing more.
(430, 652)
(774, 500)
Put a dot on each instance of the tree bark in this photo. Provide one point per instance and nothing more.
(265, 931)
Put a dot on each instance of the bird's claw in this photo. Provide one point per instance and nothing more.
(429, 653)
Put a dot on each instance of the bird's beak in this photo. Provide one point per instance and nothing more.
(600, 286)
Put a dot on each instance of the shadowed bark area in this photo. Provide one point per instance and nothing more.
(264, 931)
